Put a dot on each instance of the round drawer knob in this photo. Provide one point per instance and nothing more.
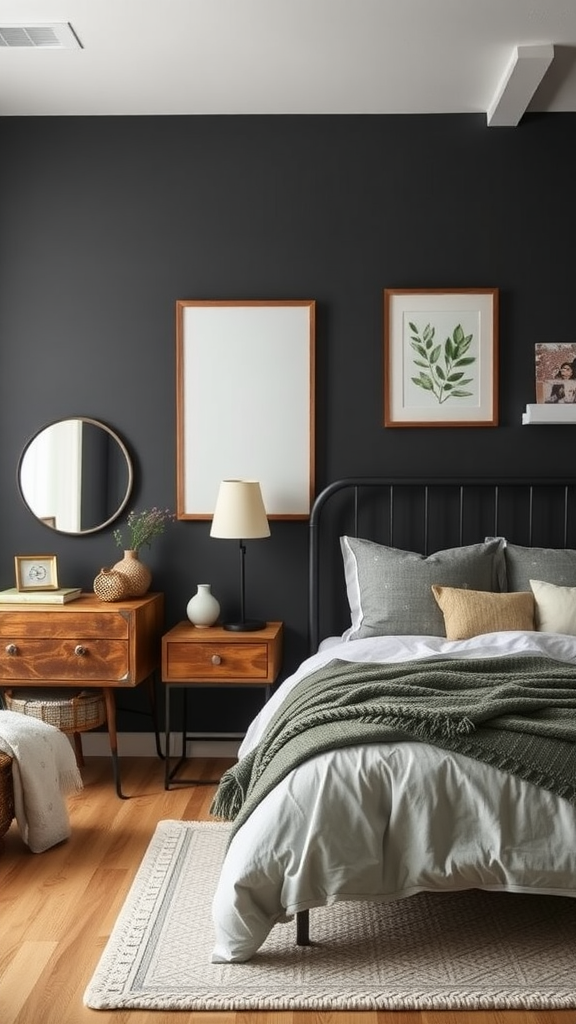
(216, 659)
(11, 649)
(80, 650)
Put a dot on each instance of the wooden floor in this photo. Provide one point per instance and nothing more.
(57, 909)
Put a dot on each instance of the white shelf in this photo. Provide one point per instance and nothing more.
(549, 414)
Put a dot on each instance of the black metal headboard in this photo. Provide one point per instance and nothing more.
(426, 515)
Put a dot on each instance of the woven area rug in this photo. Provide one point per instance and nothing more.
(467, 950)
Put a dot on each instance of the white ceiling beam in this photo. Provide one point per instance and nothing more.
(523, 75)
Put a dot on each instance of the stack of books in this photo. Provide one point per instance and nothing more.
(60, 596)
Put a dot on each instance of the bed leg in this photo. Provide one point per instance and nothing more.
(303, 928)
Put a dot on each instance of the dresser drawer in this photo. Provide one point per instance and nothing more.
(206, 661)
(70, 625)
(79, 659)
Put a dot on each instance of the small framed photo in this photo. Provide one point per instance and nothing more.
(555, 364)
(441, 357)
(36, 572)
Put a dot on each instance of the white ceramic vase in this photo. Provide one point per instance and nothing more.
(203, 609)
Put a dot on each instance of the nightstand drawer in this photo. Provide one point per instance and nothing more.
(206, 661)
(80, 659)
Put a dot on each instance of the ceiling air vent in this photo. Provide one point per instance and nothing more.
(55, 36)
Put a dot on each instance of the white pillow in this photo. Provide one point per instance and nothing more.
(555, 607)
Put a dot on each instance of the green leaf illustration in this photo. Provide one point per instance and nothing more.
(443, 363)
(423, 382)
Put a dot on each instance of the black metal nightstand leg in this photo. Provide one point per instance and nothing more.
(167, 740)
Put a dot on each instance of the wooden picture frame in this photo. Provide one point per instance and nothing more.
(245, 379)
(441, 357)
(36, 572)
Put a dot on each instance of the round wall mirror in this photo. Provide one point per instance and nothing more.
(75, 475)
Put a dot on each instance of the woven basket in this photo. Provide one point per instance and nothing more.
(70, 712)
(6, 793)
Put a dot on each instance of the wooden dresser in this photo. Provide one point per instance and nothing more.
(85, 643)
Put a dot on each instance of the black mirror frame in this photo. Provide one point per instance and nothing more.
(129, 466)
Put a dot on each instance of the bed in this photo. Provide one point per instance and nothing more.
(429, 740)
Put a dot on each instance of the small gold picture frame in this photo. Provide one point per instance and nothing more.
(36, 572)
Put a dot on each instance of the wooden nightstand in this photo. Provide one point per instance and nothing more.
(215, 657)
(84, 643)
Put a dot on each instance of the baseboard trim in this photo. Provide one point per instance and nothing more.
(143, 744)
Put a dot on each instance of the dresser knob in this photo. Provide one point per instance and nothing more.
(216, 659)
(11, 649)
(80, 650)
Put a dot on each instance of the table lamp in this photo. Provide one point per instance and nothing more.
(240, 515)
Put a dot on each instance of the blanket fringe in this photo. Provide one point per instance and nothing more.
(430, 725)
(229, 798)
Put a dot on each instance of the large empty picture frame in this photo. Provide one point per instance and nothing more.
(245, 403)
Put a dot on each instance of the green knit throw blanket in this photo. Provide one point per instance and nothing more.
(517, 713)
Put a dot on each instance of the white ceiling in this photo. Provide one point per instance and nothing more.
(291, 57)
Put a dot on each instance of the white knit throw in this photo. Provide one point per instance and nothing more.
(44, 771)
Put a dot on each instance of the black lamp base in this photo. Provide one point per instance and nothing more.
(248, 625)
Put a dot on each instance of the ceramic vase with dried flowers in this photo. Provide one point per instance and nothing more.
(141, 528)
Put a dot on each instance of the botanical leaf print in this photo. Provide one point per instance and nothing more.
(442, 370)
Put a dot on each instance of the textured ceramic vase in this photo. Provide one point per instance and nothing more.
(111, 585)
(137, 574)
(203, 609)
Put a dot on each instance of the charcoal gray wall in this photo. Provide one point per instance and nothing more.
(106, 222)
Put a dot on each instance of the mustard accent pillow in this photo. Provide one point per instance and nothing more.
(472, 612)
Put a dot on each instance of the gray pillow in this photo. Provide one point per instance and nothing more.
(389, 590)
(551, 565)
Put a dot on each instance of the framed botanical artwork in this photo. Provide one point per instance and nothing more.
(441, 357)
(36, 572)
(245, 402)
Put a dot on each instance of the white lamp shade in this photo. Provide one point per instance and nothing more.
(239, 512)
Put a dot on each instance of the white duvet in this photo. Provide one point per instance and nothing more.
(384, 821)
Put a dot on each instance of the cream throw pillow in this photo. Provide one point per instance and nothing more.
(555, 607)
(472, 612)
